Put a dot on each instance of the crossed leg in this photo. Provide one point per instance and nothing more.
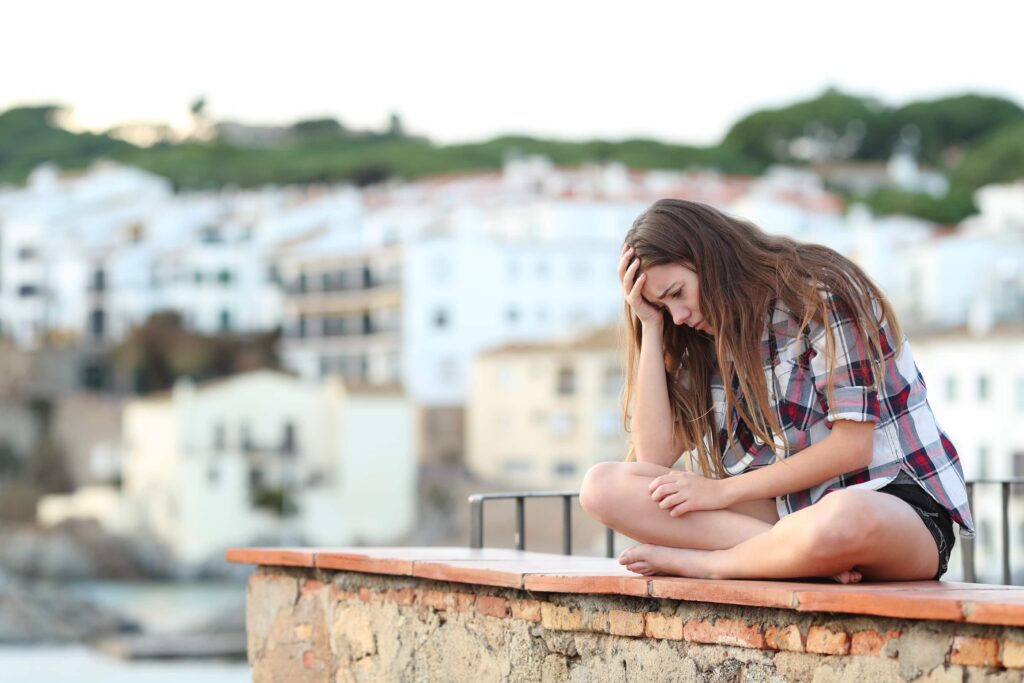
(848, 534)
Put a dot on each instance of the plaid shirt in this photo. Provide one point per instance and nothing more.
(906, 434)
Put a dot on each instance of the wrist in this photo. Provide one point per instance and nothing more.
(654, 326)
(730, 492)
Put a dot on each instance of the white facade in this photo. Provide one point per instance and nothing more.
(976, 389)
(199, 461)
(90, 256)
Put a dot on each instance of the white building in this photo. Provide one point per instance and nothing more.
(539, 415)
(976, 389)
(89, 256)
(260, 457)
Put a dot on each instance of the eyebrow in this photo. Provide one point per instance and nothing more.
(662, 295)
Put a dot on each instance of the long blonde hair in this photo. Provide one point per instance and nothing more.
(741, 270)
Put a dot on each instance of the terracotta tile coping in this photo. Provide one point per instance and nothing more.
(937, 600)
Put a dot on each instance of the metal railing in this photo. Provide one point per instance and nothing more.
(476, 529)
(476, 518)
(967, 550)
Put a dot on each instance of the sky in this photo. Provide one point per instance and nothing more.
(463, 71)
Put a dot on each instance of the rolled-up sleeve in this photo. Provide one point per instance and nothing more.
(854, 395)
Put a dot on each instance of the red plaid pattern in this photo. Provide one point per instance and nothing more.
(906, 434)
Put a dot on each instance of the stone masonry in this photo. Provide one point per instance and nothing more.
(315, 625)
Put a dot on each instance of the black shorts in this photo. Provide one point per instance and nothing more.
(935, 517)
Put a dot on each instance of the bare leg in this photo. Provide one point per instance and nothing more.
(873, 534)
(617, 495)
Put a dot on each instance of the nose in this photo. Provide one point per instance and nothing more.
(681, 315)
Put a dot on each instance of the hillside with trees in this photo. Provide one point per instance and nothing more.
(972, 139)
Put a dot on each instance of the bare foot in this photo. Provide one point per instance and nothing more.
(849, 576)
(649, 559)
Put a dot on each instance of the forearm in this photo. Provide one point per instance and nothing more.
(652, 415)
(840, 452)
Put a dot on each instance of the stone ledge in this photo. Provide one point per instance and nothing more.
(927, 600)
(310, 624)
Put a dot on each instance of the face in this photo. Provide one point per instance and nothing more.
(674, 287)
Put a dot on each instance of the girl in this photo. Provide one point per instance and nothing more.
(780, 371)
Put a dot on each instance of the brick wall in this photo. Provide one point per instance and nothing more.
(318, 625)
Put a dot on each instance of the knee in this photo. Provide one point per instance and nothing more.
(597, 490)
(845, 524)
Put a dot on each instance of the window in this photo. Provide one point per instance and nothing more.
(1018, 464)
(983, 387)
(26, 253)
(564, 468)
(982, 462)
(512, 315)
(220, 437)
(516, 466)
(28, 290)
(951, 389)
(225, 321)
(197, 277)
(440, 318)
(245, 437)
(1019, 394)
(225, 277)
(566, 381)
(97, 323)
(289, 446)
(213, 475)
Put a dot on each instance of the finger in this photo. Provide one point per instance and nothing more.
(681, 509)
(663, 490)
(629, 275)
(671, 501)
(656, 482)
(634, 295)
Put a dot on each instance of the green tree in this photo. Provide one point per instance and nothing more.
(999, 158)
(955, 122)
(840, 125)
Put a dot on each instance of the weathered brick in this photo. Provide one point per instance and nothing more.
(365, 594)
(526, 609)
(623, 623)
(974, 651)
(492, 606)
(823, 641)
(658, 625)
(404, 596)
(724, 632)
(784, 638)
(1013, 654)
(433, 599)
(598, 622)
(311, 586)
(871, 642)
(463, 602)
(560, 618)
(343, 595)
(308, 659)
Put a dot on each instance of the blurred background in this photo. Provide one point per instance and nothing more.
(312, 273)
